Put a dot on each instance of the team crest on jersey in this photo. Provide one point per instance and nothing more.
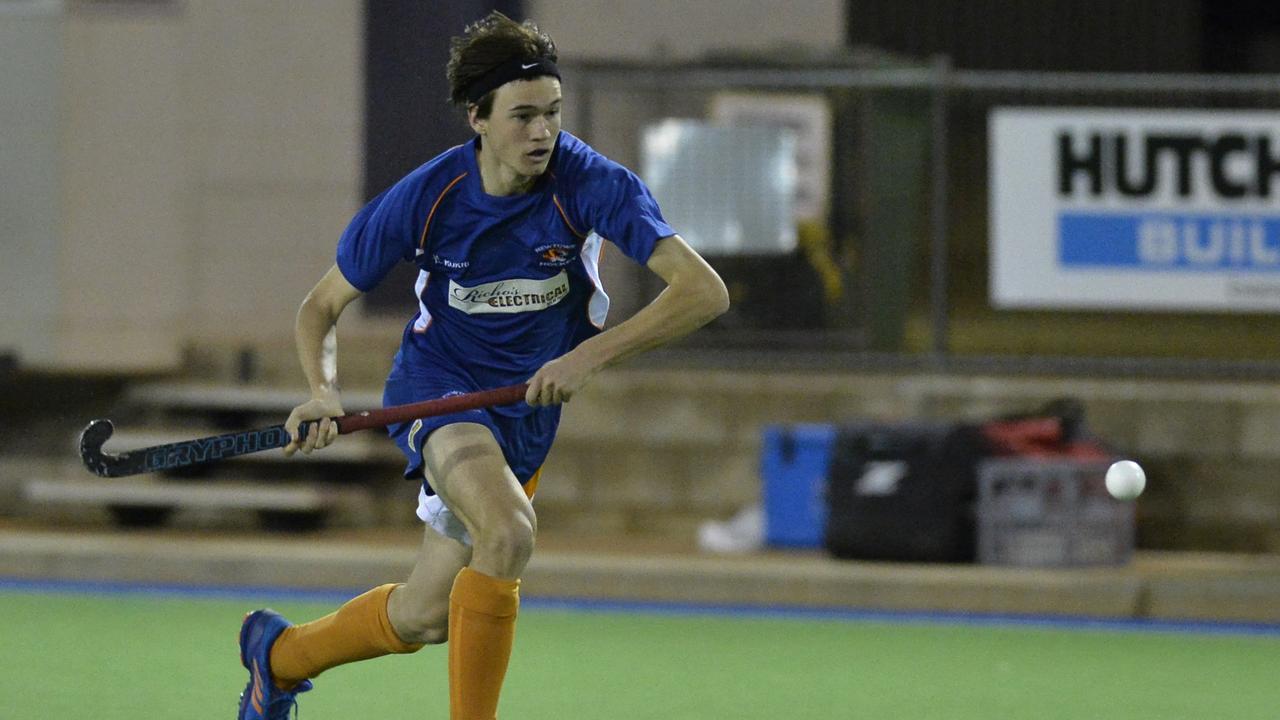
(556, 254)
(509, 296)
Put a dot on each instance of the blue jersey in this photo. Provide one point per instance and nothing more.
(505, 284)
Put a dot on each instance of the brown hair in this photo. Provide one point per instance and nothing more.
(486, 44)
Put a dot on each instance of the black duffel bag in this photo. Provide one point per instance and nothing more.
(903, 492)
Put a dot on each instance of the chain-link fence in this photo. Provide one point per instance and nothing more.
(895, 272)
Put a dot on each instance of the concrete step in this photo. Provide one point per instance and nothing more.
(222, 494)
(153, 502)
(1167, 586)
(211, 397)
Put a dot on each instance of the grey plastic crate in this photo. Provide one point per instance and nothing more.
(1034, 512)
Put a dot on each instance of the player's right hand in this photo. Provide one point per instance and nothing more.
(321, 408)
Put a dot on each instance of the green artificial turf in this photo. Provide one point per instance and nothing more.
(129, 656)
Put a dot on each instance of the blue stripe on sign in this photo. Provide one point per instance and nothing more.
(258, 594)
(1093, 240)
(1170, 242)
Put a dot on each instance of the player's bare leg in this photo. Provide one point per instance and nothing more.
(419, 609)
(468, 471)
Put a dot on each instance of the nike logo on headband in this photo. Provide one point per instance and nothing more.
(517, 68)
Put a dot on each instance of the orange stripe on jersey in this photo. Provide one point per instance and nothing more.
(565, 216)
(422, 242)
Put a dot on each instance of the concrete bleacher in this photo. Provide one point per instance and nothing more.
(648, 445)
(645, 455)
(659, 451)
(145, 502)
(284, 493)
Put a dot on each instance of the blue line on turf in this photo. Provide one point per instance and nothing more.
(592, 605)
(907, 617)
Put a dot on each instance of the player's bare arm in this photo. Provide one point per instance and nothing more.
(316, 336)
(695, 295)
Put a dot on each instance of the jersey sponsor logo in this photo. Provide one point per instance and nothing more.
(555, 254)
(448, 264)
(509, 296)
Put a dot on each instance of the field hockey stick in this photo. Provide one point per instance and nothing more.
(221, 447)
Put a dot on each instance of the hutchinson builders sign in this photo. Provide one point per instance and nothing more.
(1125, 209)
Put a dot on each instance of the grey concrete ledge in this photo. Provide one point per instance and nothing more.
(1157, 586)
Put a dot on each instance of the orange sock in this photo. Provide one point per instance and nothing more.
(482, 626)
(359, 630)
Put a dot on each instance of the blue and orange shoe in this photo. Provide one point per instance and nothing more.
(261, 699)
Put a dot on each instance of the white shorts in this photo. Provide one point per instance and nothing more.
(432, 511)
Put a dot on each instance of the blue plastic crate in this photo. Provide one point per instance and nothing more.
(794, 463)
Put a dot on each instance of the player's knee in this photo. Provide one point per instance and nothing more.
(510, 540)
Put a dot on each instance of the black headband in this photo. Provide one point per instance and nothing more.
(513, 69)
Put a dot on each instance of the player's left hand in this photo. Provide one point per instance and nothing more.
(557, 381)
